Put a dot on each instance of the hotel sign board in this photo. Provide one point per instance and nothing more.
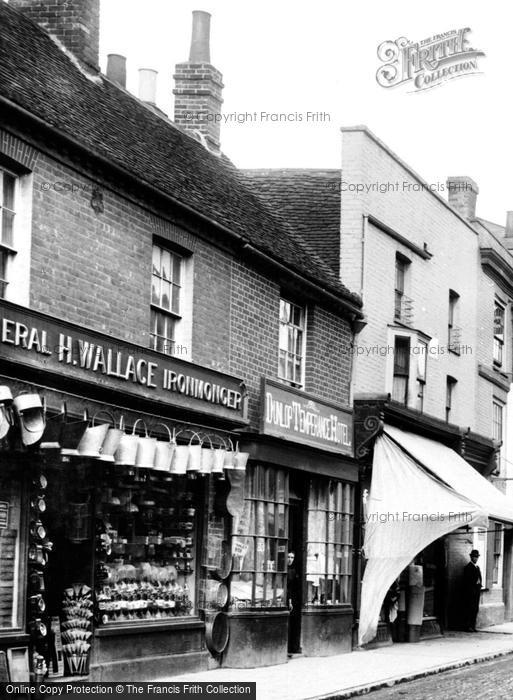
(300, 417)
(51, 346)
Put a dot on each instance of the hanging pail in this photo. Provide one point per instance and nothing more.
(6, 419)
(92, 441)
(29, 409)
(164, 452)
(229, 458)
(71, 435)
(218, 460)
(146, 447)
(51, 439)
(194, 463)
(207, 457)
(111, 442)
(216, 594)
(180, 458)
(240, 459)
(127, 448)
(217, 632)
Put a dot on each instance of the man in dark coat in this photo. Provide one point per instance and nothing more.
(472, 584)
(294, 604)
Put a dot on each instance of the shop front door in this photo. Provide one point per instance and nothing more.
(295, 573)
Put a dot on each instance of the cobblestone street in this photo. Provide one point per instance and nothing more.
(490, 679)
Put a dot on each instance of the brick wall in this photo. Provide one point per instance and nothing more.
(329, 360)
(94, 269)
(198, 100)
(76, 23)
(253, 330)
(88, 268)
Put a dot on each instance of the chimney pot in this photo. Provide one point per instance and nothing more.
(200, 40)
(148, 85)
(463, 193)
(509, 225)
(116, 69)
(199, 92)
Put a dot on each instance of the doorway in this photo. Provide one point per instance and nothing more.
(295, 571)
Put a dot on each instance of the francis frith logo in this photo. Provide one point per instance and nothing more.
(429, 62)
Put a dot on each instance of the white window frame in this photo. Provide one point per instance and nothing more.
(7, 248)
(417, 339)
(496, 402)
(180, 345)
(499, 344)
(303, 328)
(18, 253)
(408, 375)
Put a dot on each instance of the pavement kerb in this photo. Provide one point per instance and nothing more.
(390, 682)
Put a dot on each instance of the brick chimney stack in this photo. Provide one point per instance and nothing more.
(508, 231)
(463, 193)
(198, 87)
(75, 23)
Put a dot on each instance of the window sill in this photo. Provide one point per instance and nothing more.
(148, 626)
(292, 385)
(495, 375)
(14, 636)
(326, 606)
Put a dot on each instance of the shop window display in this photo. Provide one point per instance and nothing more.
(259, 541)
(10, 549)
(329, 542)
(145, 539)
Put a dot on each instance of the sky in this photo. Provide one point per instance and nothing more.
(294, 57)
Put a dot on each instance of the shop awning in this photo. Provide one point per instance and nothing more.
(448, 466)
(407, 509)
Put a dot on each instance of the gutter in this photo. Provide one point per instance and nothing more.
(341, 301)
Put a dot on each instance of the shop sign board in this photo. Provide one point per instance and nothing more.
(63, 349)
(300, 417)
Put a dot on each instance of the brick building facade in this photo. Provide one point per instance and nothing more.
(117, 213)
(430, 275)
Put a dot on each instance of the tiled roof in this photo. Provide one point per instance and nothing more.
(492, 235)
(309, 200)
(38, 76)
(490, 226)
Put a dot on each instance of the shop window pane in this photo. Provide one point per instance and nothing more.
(146, 541)
(329, 534)
(271, 522)
(10, 526)
(258, 554)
